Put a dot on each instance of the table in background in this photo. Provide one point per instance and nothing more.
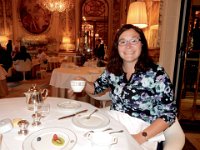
(13, 141)
(61, 77)
(53, 62)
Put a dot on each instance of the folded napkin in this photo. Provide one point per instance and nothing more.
(134, 125)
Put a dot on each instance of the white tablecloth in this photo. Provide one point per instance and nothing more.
(16, 108)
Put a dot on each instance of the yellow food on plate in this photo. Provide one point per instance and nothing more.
(15, 121)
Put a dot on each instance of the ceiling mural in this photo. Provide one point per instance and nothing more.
(34, 18)
(94, 8)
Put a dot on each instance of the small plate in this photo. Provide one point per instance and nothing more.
(45, 142)
(69, 105)
(96, 121)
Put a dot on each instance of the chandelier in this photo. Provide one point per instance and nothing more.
(57, 5)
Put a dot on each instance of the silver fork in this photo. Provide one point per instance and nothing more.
(88, 117)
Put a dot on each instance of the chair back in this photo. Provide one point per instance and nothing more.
(174, 137)
(21, 65)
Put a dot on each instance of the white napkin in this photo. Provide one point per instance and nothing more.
(2, 145)
(1, 138)
(134, 125)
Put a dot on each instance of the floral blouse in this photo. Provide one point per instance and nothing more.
(146, 95)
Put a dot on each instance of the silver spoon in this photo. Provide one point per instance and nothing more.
(88, 117)
(120, 131)
(85, 134)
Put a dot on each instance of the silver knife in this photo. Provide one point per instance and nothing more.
(82, 111)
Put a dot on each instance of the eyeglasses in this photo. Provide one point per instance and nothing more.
(132, 41)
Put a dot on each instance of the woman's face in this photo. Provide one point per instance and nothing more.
(129, 46)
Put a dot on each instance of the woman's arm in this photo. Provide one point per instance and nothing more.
(166, 106)
(155, 128)
(89, 87)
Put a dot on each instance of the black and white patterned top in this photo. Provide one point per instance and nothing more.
(146, 95)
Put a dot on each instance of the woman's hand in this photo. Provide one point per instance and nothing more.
(71, 94)
(89, 87)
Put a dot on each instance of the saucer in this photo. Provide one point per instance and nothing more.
(69, 105)
(96, 121)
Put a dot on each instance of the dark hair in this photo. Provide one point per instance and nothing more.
(99, 40)
(23, 49)
(115, 61)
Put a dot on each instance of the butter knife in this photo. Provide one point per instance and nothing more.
(82, 111)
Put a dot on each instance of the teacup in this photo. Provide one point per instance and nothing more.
(101, 140)
(77, 85)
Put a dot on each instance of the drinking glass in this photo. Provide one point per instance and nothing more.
(44, 109)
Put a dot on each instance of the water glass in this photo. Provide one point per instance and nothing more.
(44, 109)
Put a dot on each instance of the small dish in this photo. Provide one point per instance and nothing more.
(69, 105)
(101, 140)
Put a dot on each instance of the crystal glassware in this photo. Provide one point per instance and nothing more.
(36, 119)
(44, 109)
(23, 125)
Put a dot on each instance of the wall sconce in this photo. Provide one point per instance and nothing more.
(66, 40)
(3, 40)
(137, 14)
(65, 43)
(96, 35)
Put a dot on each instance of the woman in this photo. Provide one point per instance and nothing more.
(22, 55)
(141, 91)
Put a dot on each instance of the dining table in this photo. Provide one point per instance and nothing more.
(74, 130)
(61, 77)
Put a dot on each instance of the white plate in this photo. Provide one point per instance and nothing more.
(46, 135)
(69, 105)
(96, 121)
